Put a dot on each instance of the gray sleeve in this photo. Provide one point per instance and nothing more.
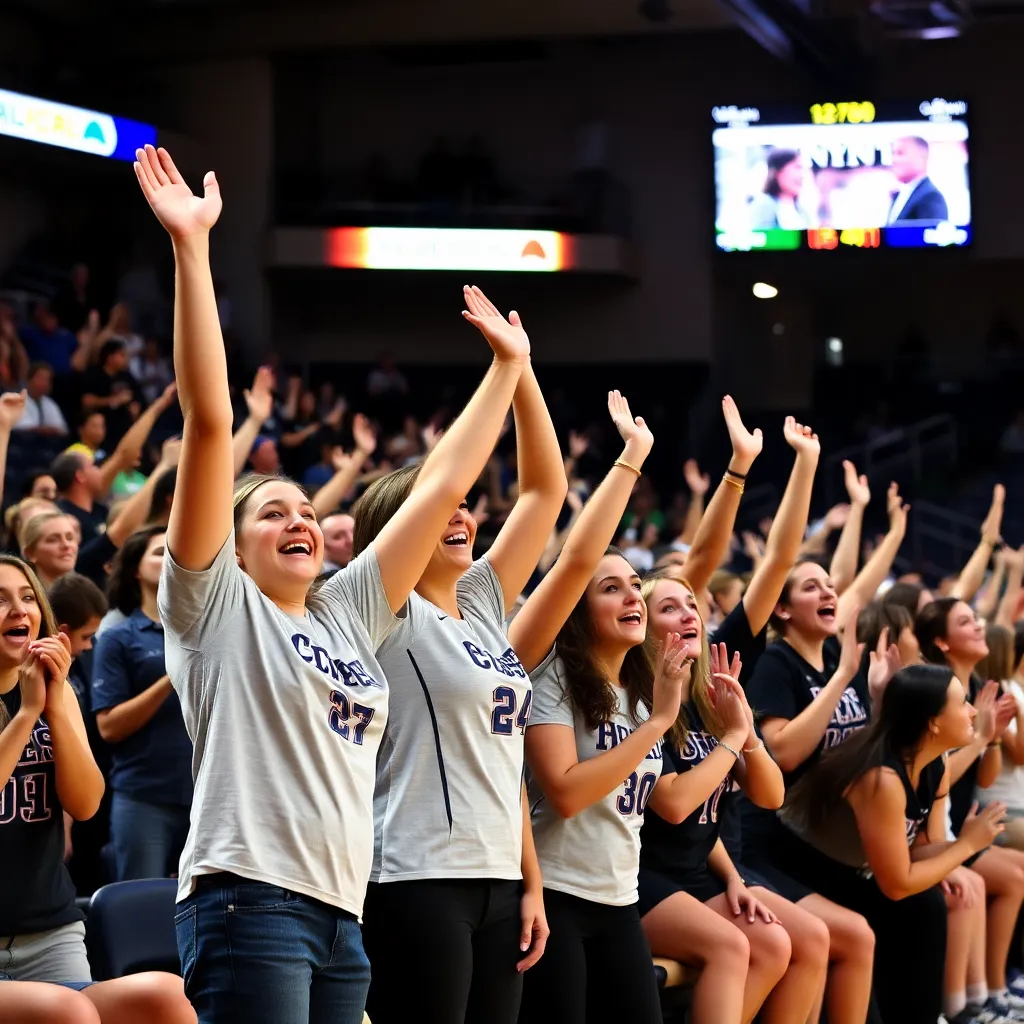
(480, 589)
(551, 704)
(197, 606)
(358, 587)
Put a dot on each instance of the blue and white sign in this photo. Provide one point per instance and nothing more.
(57, 124)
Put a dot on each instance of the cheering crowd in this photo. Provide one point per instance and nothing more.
(393, 777)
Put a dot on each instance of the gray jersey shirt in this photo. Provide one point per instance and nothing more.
(286, 716)
(449, 776)
(594, 854)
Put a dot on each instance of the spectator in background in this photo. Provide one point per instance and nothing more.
(92, 432)
(138, 714)
(338, 531)
(152, 369)
(42, 415)
(49, 542)
(109, 387)
(13, 357)
(75, 300)
(80, 486)
(39, 484)
(387, 389)
(47, 342)
(264, 457)
(78, 606)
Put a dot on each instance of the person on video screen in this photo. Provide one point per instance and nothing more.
(778, 204)
(918, 199)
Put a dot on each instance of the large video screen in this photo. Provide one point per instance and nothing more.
(836, 175)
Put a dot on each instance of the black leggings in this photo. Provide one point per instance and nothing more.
(444, 951)
(597, 967)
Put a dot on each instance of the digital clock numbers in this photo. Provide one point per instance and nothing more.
(843, 113)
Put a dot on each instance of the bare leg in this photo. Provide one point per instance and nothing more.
(770, 952)
(153, 998)
(851, 953)
(1003, 872)
(32, 1002)
(961, 931)
(803, 985)
(682, 928)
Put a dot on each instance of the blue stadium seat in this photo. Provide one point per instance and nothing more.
(131, 928)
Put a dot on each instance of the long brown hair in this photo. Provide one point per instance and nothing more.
(700, 669)
(47, 624)
(999, 664)
(589, 690)
(379, 502)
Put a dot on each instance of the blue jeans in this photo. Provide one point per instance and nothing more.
(257, 953)
(147, 838)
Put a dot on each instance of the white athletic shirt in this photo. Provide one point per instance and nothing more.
(286, 716)
(594, 854)
(450, 770)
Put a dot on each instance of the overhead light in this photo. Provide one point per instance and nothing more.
(764, 291)
(834, 344)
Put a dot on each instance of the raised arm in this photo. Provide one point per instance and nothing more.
(786, 534)
(542, 484)
(715, 531)
(532, 632)
(127, 453)
(991, 531)
(133, 516)
(259, 400)
(699, 484)
(12, 405)
(404, 546)
(865, 586)
(1013, 562)
(201, 513)
(843, 569)
(988, 597)
(346, 468)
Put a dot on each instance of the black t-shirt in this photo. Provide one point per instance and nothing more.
(961, 793)
(734, 631)
(37, 894)
(784, 685)
(919, 800)
(92, 522)
(682, 849)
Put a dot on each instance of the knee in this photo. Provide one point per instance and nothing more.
(811, 943)
(155, 997)
(852, 939)
(730, 947)
(771, 950)
(55, 1005)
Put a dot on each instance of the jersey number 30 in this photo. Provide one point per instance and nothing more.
(636, 794)
(505, 711)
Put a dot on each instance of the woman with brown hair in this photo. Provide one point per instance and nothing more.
(279, 685)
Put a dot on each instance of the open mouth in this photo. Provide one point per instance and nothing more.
(828, 613)
(457, 540)
(298, 547)
(17, 633)
(689, 634)
(631, 619)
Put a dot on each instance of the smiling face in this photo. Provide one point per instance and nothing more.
(616, 609)
(454, 551)
(965, 635)
(672, 608)
(20, 615)
(151, 563)
(279, 542)
(954, 725)
(791, 178)
(56, 550)
(810, 607)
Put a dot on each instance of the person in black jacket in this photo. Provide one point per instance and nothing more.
(918, 200)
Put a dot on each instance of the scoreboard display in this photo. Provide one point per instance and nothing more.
(849, 173)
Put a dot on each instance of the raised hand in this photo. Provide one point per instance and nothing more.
(896, 508)
(633, 430)
(55, 659)
(181, 213)
(991, 528)
(801, 438)
(340, 459)
(753, 546)
(836, 516)
(985, 706)
(333, 418)
(12, 405)
(698, 482)
(32, 680)
(259, 399)
(746, 446)
(170, 453)
(883, 664)
(673, 668)
(168, 395)
(1006, 712)
(507, 338)
(856, 486)
(850, 655)
(480, 513)
(1013, 559)
(430, 435)
(363, 434)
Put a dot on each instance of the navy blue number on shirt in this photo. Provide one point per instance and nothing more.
(636, 794)
(504, 717)
(341, 716)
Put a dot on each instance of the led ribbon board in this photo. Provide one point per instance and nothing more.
(85, 131)
(479, 249)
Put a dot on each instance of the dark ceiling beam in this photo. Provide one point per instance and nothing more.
(787, 32)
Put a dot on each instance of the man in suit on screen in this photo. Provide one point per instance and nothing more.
(918, 200)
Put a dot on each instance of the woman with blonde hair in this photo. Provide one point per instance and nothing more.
(47, 770)
(280, 688)
(49, 541)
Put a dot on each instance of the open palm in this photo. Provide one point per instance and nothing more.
(507, 338)
(181, 213)
(632, 429)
